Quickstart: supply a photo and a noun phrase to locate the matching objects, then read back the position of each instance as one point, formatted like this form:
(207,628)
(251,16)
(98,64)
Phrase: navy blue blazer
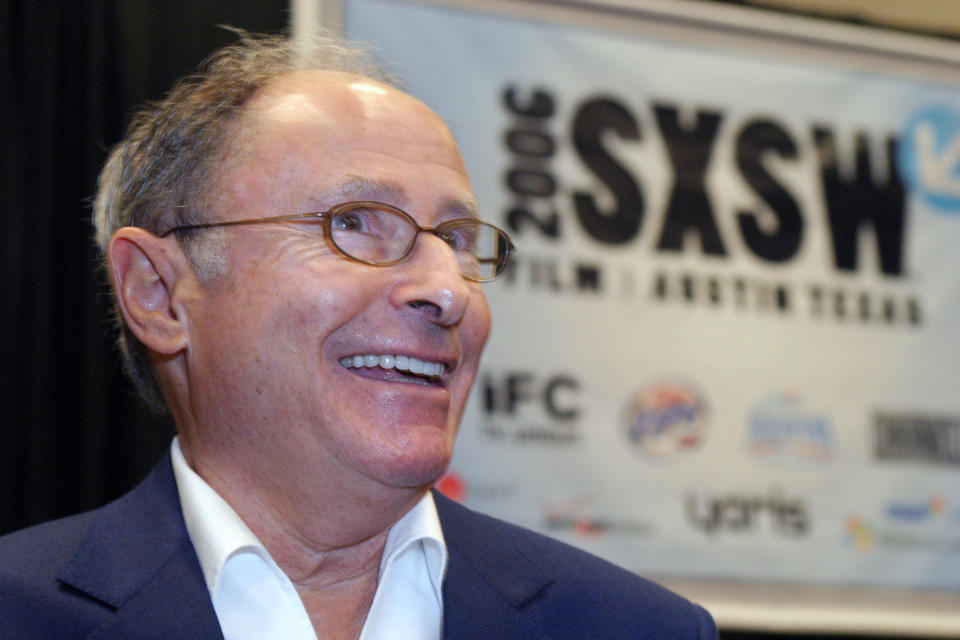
(128,570)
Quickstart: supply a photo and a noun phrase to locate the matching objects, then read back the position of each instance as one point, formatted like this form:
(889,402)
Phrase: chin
(419,470)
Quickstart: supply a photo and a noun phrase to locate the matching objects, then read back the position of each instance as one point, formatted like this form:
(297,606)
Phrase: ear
(147,272)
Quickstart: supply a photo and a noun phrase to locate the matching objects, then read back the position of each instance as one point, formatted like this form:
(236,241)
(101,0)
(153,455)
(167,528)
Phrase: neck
(328,540)
(316,521)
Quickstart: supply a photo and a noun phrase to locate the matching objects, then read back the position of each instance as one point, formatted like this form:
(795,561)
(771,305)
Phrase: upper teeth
(403,363)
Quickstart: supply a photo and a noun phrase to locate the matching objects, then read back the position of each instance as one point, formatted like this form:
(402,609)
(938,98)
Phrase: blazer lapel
(488,585)
(138,559)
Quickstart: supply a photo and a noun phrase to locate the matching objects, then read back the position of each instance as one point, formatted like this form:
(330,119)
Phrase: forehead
(318,130)
(344,109)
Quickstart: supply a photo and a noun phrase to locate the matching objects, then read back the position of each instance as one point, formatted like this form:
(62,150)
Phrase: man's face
(271,336)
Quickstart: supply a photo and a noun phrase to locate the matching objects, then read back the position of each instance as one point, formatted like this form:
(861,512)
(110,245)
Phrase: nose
(430,282)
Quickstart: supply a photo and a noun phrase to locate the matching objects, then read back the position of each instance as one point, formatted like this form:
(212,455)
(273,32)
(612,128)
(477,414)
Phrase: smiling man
(297,263)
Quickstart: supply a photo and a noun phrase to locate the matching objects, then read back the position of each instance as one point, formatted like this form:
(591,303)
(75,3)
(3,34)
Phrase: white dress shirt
(255,600)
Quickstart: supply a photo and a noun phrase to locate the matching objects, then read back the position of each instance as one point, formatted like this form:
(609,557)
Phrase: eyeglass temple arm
(232,223)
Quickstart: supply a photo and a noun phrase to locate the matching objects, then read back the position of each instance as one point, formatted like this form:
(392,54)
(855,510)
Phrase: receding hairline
(247,127)
(296,81)
(314,75)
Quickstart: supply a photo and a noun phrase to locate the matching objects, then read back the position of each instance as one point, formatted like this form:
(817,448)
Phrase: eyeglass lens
(382,235)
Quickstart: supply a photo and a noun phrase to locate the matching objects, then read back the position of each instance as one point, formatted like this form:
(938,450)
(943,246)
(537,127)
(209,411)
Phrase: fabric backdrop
(72,433)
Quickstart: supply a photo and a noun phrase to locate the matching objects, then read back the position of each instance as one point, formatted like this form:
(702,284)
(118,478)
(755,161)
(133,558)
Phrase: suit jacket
(128,570)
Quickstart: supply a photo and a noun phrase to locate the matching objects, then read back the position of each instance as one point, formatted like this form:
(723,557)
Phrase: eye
(356,220)
(462,237)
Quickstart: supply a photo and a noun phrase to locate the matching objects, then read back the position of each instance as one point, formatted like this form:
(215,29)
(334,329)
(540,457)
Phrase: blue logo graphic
(929,157)
(782,428)
(917,510)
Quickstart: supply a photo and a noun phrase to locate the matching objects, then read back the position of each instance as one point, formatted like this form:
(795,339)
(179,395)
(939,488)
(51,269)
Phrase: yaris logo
(745,514)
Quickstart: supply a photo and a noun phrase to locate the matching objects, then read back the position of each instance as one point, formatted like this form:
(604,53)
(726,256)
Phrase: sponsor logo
(456,487)
(914,437)
(568,174)
(589,527)
(859,534)
(530,408)
(452,485)
(667,418)
(925,524)
(929,157)
(736,513)
(781,428)
(570,516)
(864,536)
(917,511)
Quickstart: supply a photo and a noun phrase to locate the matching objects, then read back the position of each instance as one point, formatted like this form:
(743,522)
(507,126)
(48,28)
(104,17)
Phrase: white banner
(729,345)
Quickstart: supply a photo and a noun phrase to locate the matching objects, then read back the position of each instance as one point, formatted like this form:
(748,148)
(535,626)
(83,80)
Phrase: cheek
(477,327)
(297,288)
(301,318)
(308,319)
(268,330)
(474,331)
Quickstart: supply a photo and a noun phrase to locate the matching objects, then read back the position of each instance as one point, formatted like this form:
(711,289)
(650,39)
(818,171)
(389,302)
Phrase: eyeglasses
(380,234)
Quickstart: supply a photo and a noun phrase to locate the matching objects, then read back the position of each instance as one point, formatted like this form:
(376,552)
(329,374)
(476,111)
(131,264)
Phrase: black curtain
(72,433)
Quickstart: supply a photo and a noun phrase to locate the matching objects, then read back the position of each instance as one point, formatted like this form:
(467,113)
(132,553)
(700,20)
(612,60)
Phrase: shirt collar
(217,532)
(215,529)
(419,525)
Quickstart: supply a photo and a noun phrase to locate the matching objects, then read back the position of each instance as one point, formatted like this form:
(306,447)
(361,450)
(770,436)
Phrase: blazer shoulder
(39,551)
(597,598)
(34,604)
(66,578)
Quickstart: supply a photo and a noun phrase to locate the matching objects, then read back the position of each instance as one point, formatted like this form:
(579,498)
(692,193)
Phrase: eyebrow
(357,187)
(360,188)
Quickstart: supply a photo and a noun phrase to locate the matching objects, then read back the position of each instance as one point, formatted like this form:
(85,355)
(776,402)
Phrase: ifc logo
(666,418)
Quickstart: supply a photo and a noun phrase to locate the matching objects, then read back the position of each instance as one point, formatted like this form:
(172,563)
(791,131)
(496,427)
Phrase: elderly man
(296,259)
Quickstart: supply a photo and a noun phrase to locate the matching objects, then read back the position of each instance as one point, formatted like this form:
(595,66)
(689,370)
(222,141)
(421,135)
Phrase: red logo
(451,484)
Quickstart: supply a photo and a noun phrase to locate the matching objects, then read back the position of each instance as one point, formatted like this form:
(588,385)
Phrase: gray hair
(159,176)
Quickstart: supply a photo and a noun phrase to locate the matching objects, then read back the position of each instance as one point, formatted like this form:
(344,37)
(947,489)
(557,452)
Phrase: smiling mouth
(392,368)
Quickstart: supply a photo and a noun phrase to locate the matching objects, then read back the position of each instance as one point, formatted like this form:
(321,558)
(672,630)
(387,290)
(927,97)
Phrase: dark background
(73,435)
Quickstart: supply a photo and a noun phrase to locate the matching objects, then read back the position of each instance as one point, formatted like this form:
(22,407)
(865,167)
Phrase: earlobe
(145,273)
